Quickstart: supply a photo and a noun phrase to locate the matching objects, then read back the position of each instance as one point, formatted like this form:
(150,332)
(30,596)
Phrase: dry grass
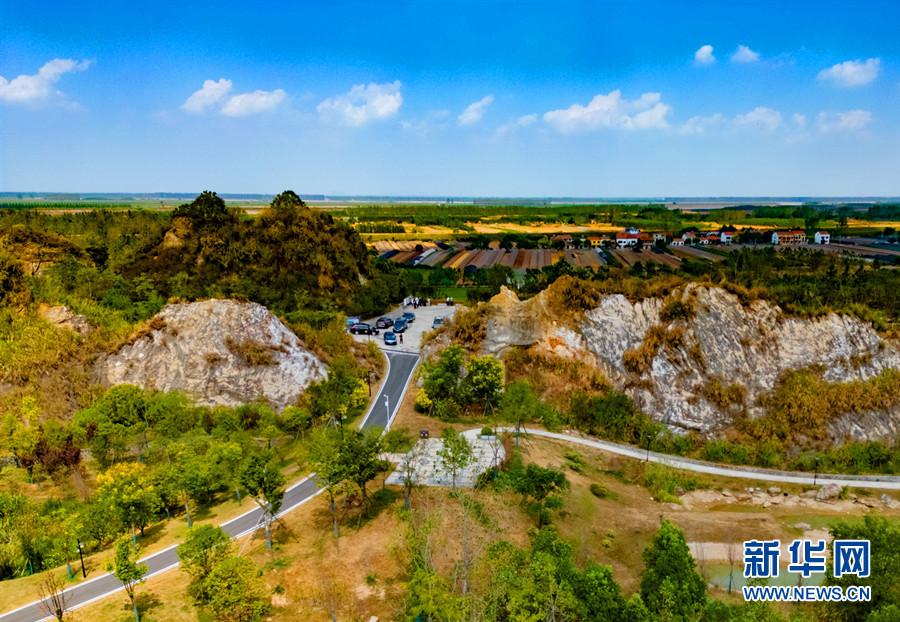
(552,378)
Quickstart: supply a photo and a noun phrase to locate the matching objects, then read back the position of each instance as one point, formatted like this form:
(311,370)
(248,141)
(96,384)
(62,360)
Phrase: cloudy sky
(645,99)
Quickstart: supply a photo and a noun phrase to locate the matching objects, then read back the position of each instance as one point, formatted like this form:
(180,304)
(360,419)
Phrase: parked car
(409,317)
(399,325)
(363,329)
(384,322)
(390,339)
(437,321)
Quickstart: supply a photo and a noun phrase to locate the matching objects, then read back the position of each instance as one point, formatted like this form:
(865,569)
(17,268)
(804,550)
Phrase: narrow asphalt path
(381,412)
(889,482)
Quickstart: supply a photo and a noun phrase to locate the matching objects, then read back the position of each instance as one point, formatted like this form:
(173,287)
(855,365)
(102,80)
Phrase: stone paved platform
(427,463)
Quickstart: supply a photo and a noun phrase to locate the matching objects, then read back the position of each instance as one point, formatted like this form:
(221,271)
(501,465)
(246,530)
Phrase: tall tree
(129,491)
(325,461)
(670,584)
(129,572)
(265,482)
(359,460)
(203,548)
(455,454)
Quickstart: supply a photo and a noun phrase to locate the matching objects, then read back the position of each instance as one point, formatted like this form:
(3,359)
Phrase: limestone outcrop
(666,362)
(219,352)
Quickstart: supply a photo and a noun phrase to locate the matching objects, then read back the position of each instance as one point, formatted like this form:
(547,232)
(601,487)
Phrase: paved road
(400,370)
(889,482)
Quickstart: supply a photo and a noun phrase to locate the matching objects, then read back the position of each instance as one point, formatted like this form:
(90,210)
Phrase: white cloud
(364,103)
(704,56)
(852,72)
(211,93)
(611,110)
(39,86)
(743,54)
(251,103)
(850,121)
(218,95)
(475,111)
(523,121)
(701,124)
(761,117)
(799,120)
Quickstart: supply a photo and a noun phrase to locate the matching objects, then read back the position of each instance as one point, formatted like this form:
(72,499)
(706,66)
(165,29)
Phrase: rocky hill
(217,351)
(678,357)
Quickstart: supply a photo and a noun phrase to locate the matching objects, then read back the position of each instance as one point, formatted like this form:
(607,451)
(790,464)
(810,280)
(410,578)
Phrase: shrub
(423,403)
(675,309)
(600,491)
(250,352)
(638,360)
(486,431)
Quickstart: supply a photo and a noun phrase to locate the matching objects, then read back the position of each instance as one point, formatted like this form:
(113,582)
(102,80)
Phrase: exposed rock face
(723,341)
(63,317)
(218,352)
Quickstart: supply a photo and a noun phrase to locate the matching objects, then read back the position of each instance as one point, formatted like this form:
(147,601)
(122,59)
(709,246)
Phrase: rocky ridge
(719,340)
(219,352)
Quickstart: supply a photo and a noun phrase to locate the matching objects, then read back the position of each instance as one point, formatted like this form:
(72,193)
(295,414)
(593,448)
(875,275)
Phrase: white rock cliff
(197,348)
(724,340)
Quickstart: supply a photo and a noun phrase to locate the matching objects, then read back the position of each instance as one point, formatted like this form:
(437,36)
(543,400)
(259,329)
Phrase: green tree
(229,457)
(236,591)
(883,578)
(455,453)
(359,461)
(539,483)
(128,489)
(203,548)
(325,461)
(128,571)
(265,482)
(442,377)
(484,380)
(670,585)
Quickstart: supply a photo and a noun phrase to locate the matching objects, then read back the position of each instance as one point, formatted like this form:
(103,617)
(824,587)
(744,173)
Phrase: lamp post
(81,556)
(647,459)
(816,476)
(369,381)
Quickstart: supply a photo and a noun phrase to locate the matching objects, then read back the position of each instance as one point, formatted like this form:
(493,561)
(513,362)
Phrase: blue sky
(646,99)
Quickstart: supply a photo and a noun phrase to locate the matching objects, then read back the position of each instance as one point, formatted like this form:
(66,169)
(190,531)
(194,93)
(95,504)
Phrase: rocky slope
(719,341)
(218,352)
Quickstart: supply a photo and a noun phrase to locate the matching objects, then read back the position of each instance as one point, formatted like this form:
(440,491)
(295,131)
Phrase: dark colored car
(384,322)
(363,329)
(437,321)
(399,325)
(390,339)
(409,317)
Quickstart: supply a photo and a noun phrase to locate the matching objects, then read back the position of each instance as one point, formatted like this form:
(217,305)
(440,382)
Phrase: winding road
(399,373)
(381,413)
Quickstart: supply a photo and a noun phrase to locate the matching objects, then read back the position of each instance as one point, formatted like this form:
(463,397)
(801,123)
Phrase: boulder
(63,317)
(774,491)
(828,492)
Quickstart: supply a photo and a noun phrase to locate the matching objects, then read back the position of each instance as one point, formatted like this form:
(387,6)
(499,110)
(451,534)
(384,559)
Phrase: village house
(678,242)
(823,237)
(725,237)
(657,237)
(595,242)
(624,239)
(782,238)
(565,239)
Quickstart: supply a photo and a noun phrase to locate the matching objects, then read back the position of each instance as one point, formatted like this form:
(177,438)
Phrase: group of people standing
(415,302)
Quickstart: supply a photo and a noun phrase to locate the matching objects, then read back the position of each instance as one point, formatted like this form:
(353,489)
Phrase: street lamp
(81,556)
(816,476)
(647,459)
